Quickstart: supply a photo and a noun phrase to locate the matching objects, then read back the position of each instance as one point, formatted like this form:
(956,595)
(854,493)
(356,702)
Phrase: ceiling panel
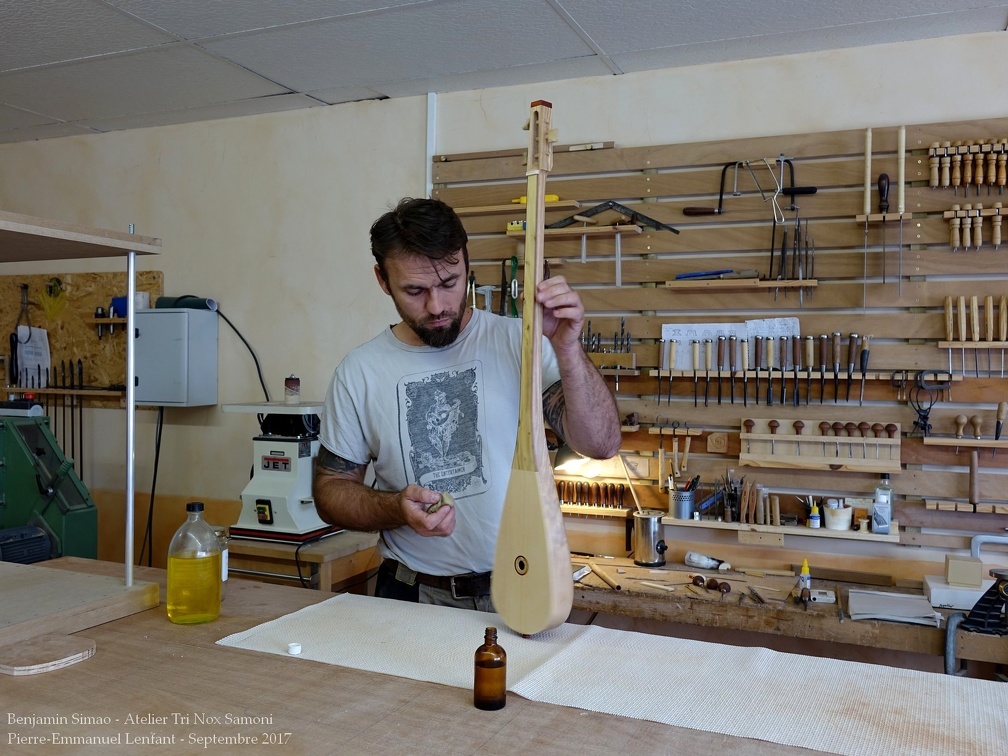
(77,66)
(164,78)
(434,39)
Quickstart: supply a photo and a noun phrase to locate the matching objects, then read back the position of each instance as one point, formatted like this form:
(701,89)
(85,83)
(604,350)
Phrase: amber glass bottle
(490,675)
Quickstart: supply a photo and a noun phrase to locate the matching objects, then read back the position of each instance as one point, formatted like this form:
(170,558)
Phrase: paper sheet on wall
(32,357)
(685,333)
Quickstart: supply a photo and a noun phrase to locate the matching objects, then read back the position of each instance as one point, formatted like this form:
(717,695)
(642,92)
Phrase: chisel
(989,327)
(836,367)
(672,355)
(961,318)
(720,360)
(759,362)
(768,345)
(1002,412)
(1002,328)
(851,355)
(975,331)
(732,351)
(708,356)
(809,363)
(865,345)
(883,191)
(696,366)
(823,359)
(796,363)
(783,351)
(745,372)
(949,334)
(663,364)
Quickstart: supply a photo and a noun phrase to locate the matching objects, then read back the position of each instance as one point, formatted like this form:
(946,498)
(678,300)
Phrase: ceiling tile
(165,78)
(421,41)
(49,31)
(198,19)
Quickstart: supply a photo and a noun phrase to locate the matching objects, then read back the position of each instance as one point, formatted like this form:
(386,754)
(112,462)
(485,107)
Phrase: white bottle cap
(293,649)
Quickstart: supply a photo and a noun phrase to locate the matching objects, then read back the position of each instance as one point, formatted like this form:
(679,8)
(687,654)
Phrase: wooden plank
(38,600)
(44,653)
(24,237)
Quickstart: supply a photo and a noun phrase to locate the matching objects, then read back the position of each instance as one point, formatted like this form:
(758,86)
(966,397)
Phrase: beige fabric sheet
(822,704)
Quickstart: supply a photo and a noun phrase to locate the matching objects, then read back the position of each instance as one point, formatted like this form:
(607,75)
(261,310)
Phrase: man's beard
(436,337)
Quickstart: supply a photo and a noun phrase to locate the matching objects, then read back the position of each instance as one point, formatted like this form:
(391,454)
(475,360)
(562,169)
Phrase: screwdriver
(732,351)
(865,344)
(720,360)
(836,367)
(809,362)
(759,362)
(823,358)
(851,351)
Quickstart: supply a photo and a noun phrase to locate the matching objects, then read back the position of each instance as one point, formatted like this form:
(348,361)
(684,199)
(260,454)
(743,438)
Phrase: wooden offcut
(37,600)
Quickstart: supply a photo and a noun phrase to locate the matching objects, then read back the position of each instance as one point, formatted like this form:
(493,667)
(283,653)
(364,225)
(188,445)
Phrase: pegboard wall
(856,268)
(64,304)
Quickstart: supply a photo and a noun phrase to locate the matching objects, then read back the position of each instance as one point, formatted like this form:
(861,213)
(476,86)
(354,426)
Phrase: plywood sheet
(37,600)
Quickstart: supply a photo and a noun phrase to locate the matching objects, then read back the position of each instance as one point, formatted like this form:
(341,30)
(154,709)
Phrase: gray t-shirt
(446,419)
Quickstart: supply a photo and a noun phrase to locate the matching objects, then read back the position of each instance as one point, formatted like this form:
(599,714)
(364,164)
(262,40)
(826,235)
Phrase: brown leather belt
(467,585)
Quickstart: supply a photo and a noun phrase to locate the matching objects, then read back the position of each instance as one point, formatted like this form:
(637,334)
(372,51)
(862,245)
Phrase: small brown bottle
(490,674)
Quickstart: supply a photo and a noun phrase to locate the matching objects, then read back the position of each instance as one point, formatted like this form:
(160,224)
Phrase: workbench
(785,619)
(154,672)
(338,562)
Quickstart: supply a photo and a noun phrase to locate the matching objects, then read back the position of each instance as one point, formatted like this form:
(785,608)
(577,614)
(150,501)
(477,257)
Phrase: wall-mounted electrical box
(176,357)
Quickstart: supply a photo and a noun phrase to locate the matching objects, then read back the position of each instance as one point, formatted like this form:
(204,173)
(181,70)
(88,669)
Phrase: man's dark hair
(426,227)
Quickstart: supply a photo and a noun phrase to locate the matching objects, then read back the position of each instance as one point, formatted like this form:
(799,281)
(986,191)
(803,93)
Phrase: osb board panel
(67,320)
(37,600)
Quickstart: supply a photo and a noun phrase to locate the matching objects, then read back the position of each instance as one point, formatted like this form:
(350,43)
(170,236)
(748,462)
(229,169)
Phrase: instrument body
(532,586)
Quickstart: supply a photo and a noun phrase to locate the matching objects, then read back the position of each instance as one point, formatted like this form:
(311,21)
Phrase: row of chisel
(591,494)
(781,366)
(68,379)
(963,329)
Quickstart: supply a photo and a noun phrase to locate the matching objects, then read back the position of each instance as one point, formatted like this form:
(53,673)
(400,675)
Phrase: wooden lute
(532,585)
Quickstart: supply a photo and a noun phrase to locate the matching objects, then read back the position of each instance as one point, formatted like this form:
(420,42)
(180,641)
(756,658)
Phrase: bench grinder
(277,503)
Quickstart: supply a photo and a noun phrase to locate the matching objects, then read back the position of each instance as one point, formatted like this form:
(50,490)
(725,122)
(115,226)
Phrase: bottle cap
(804,567)
(194,506)
(885,476)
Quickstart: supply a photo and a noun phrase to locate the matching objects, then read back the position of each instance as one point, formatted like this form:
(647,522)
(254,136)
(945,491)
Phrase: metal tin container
(649,547)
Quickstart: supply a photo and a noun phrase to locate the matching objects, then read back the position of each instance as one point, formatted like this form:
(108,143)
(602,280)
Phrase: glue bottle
(814,519)
(194,570)
(490,674)
(805,578)
(882,508)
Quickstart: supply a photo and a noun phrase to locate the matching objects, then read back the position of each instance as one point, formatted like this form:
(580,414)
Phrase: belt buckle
(453,594)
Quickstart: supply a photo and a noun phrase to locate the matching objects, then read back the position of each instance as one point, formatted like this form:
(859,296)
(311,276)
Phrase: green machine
(41,497)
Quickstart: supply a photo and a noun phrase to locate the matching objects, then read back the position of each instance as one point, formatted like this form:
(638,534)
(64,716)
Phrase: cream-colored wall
(269,214)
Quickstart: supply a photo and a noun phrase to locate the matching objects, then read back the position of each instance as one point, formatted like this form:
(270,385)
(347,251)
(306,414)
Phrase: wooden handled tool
(975,330)
(809,364)
(961,316)
(745,372)
(531,588)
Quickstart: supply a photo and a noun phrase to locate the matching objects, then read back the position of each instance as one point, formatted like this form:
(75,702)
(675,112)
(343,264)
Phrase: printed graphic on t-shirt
(441,424)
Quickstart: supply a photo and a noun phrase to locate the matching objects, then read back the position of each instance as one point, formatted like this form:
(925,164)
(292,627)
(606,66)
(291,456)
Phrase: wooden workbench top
(147,668)
(641,597)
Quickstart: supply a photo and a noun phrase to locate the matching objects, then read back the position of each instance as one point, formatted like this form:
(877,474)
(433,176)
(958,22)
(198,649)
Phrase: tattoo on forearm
(336,464)
(554,406)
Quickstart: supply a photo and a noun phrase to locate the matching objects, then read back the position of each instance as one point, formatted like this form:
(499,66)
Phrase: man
(432,403)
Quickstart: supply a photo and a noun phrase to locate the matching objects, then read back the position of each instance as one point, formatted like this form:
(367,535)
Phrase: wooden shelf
(105,321)
(883,218)
(24,238)
(966,443)
(739,284)
(515,208)
(836,453)
(111,393)
(572,232)
(953,505)
(789,530)
(619,513)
